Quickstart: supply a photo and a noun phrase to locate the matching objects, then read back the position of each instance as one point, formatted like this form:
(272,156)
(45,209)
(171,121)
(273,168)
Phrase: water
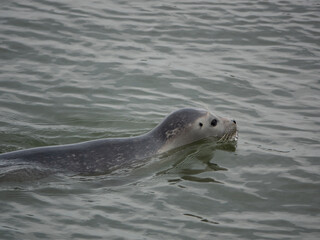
(82,70)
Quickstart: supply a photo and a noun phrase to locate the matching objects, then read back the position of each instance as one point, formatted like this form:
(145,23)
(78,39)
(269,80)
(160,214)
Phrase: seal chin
(235,136)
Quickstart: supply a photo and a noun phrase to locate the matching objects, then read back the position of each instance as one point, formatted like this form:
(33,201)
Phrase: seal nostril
(234,121)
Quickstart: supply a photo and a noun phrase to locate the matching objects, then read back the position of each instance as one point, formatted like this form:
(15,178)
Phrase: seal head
(189,125)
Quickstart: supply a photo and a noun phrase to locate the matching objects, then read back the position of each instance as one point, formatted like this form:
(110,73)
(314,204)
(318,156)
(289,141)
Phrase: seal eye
(200,124)
(214,122)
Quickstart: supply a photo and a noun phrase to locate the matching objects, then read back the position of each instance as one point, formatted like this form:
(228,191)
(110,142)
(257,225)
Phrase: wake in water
(22,171)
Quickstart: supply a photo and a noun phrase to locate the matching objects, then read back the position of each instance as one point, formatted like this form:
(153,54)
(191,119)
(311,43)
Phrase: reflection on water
(193,159)
(77,71)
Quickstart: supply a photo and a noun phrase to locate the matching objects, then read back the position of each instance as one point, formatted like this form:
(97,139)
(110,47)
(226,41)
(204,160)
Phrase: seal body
(100,156)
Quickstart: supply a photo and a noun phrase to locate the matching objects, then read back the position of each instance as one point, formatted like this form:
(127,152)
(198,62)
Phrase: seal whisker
(223,138)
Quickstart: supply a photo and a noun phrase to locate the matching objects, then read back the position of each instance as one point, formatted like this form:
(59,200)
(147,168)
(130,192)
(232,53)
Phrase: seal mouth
(230,136)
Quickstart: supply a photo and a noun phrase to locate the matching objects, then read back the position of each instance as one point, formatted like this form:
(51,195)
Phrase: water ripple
(76,71)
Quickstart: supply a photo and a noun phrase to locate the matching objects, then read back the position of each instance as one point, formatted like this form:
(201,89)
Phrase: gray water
(72,71)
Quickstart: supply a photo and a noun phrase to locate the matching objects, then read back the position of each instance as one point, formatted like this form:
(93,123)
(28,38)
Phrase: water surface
(79,70)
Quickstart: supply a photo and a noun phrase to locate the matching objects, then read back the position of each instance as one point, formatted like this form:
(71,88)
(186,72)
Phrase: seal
(179,128)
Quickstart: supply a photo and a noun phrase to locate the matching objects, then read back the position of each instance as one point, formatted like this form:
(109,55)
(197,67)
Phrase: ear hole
(200,124)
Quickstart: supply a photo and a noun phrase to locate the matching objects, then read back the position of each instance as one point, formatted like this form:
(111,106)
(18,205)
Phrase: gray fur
(105,155)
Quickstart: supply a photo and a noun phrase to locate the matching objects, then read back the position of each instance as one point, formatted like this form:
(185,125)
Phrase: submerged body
(92,157)
(100,156)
